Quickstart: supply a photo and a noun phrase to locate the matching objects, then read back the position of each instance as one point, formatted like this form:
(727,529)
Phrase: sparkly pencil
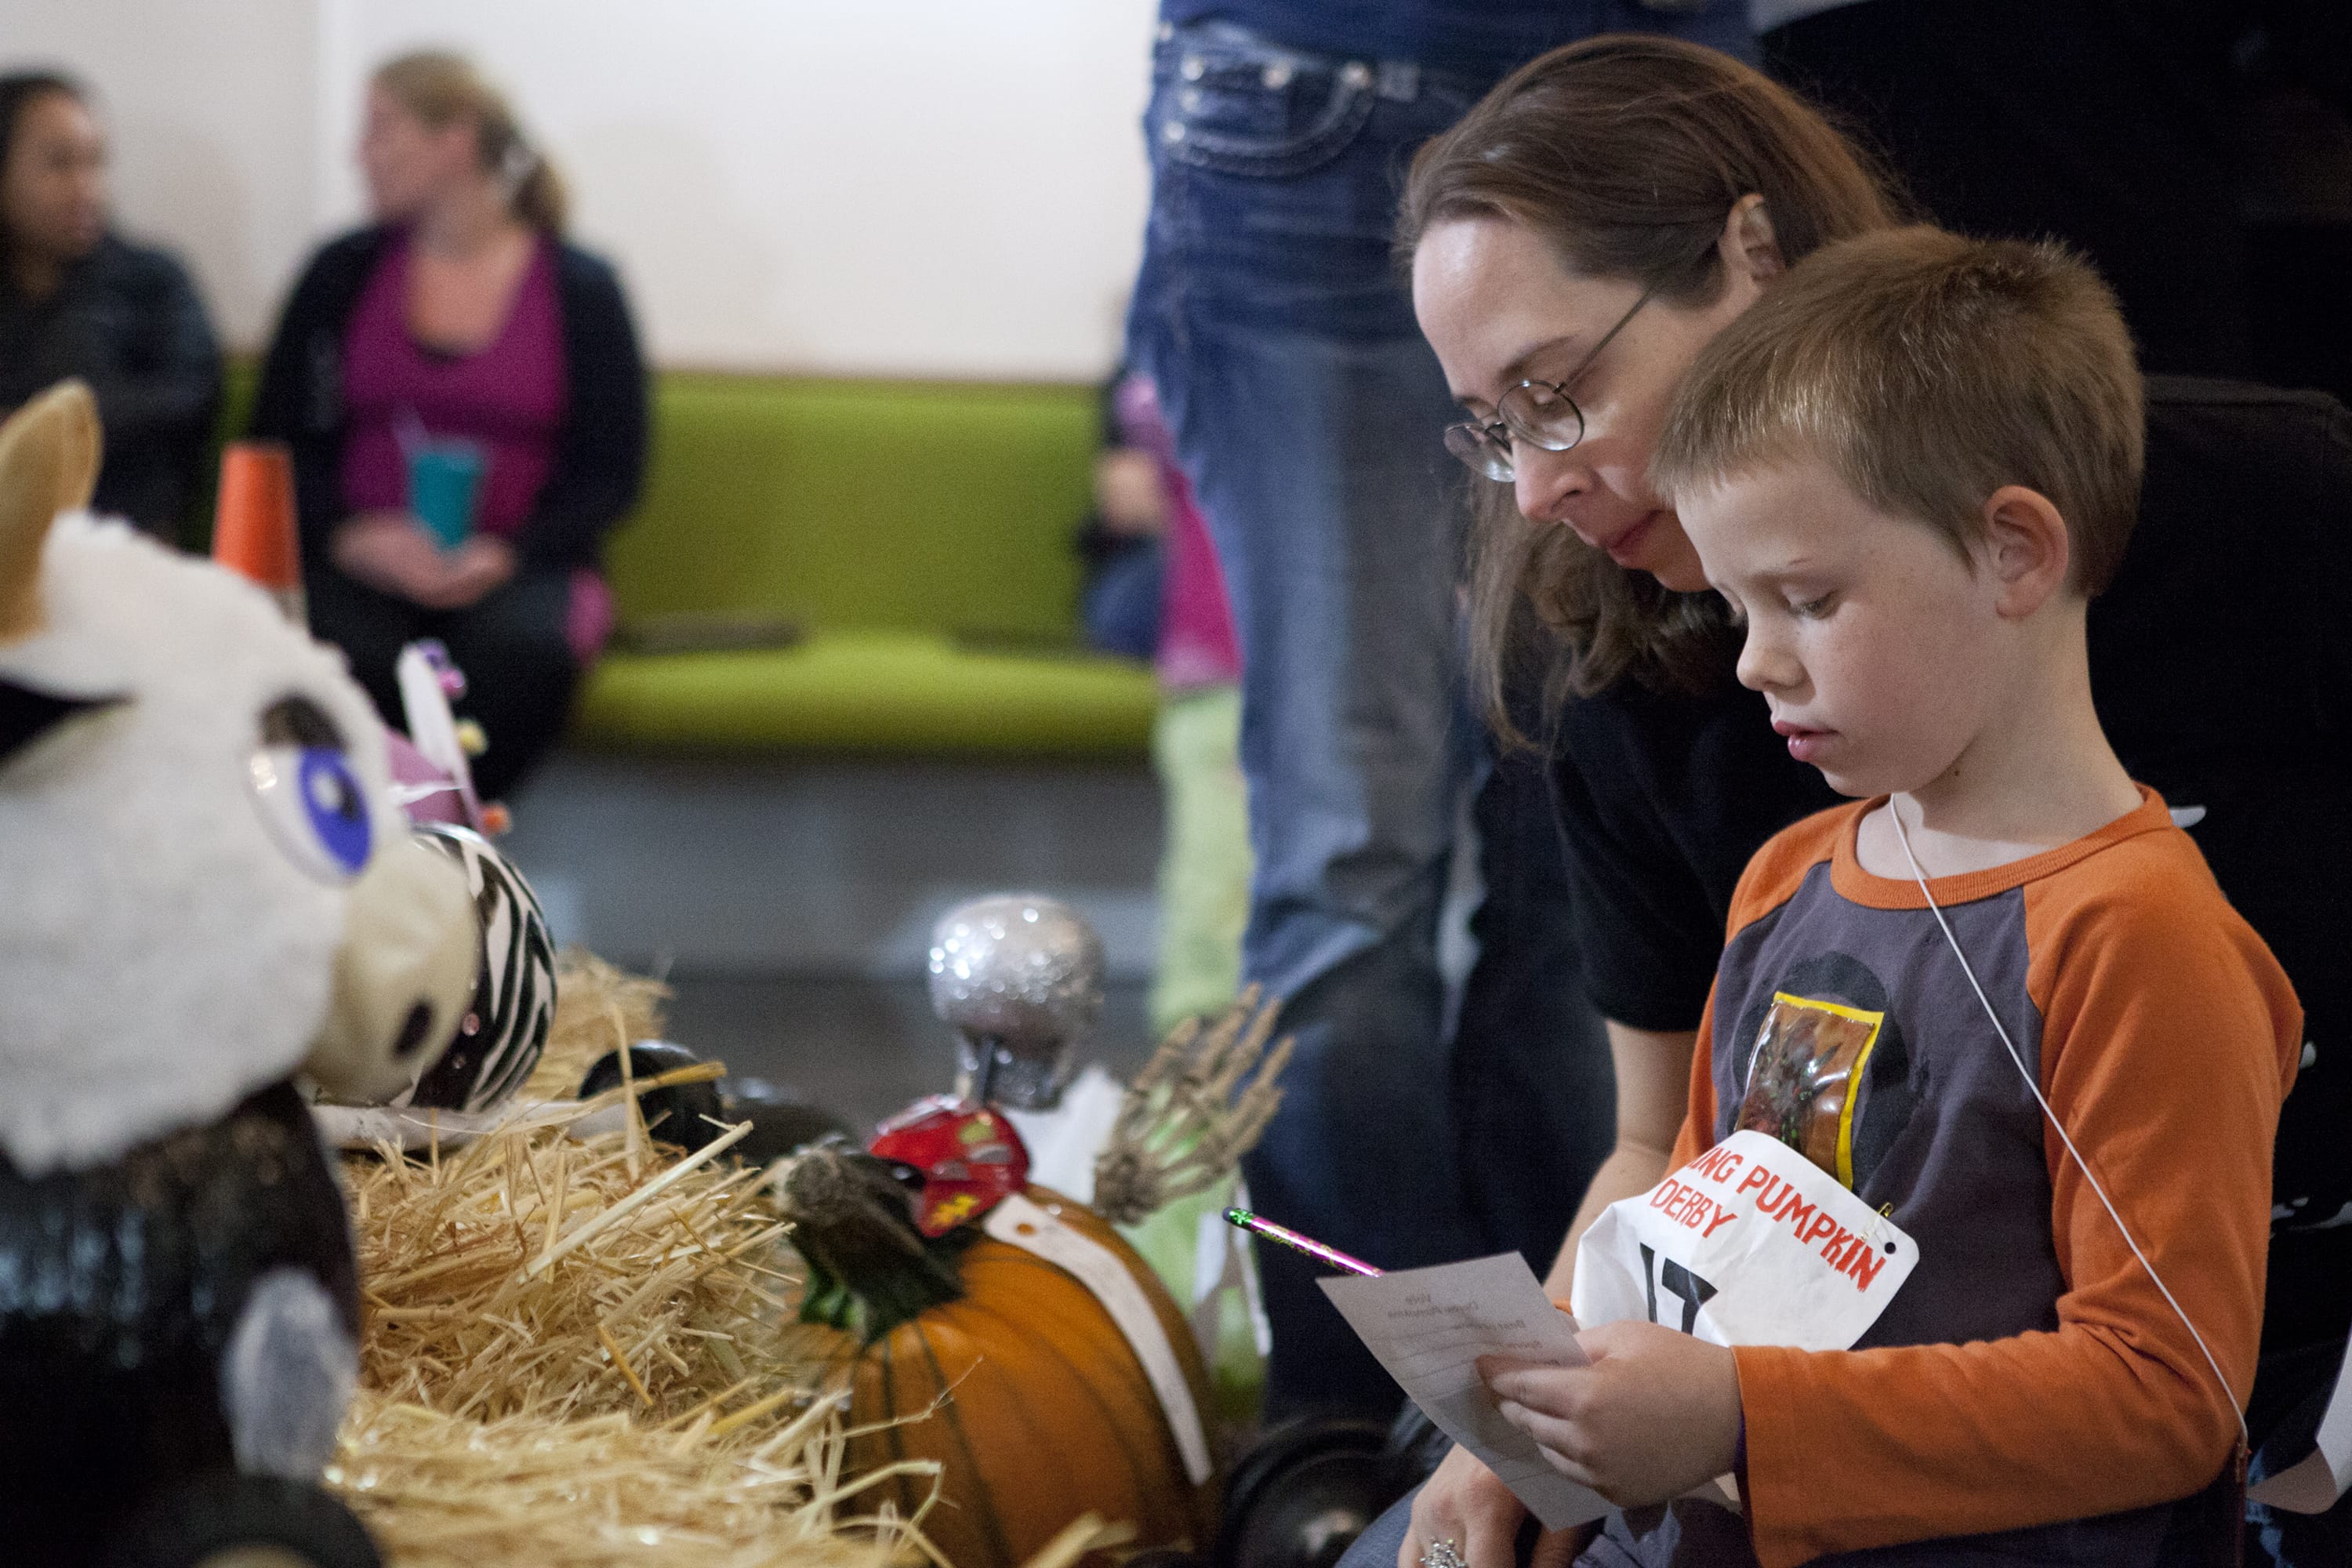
(1297,1243)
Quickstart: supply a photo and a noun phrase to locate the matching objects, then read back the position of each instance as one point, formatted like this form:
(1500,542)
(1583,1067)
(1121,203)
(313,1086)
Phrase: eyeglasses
(1539,413)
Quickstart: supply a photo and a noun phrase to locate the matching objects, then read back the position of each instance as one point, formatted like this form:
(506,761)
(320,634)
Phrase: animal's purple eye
(309,795)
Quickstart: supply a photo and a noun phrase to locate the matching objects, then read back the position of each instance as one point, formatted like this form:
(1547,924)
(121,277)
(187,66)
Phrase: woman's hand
(1655,1415)
(1462,1502)
(475,567)
(391,552)
(1128,493)
(388,550)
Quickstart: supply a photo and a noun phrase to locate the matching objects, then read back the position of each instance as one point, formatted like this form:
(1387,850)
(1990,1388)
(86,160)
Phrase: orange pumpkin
(1001,1367)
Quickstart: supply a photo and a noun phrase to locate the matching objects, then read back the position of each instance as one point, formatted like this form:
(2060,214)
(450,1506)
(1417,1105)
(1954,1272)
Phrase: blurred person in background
(1304,402)
(1205,868)
(77,299)
(1123,545)
(460,320)
(1154,592)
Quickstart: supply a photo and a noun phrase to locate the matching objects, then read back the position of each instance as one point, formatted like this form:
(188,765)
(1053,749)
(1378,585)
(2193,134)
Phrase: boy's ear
(2026,542)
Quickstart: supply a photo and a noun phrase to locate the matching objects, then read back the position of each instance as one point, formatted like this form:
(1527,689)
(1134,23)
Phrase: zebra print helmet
(498,1040)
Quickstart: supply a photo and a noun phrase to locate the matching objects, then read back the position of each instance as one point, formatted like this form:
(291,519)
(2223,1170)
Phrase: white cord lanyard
(2034,1082)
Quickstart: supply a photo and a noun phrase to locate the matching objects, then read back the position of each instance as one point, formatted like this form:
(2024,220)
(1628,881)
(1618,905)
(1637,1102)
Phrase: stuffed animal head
(208,888)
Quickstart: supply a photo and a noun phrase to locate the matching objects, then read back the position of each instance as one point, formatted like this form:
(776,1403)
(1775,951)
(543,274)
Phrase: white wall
(894,187)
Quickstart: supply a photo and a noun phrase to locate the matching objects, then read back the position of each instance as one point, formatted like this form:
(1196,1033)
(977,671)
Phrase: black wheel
(781,1121)
(687,1114)
(1414,1448)
(1160,1557)
(244,1521)
(1303,1492)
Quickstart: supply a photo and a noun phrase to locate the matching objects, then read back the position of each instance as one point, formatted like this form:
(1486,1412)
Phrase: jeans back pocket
(1226,101)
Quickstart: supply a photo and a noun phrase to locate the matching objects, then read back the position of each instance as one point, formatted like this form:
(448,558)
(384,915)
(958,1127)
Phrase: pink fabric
(1197,644)
(411,766)
(588,619)
(508,397)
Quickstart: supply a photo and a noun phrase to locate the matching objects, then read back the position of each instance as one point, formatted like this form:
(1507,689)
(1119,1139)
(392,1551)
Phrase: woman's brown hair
(1626,154)
(441,88)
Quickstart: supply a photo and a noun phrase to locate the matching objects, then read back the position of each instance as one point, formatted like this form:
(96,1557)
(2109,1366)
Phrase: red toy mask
(968,1157)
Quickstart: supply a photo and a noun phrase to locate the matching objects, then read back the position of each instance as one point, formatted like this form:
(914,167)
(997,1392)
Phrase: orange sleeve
(2169,1038)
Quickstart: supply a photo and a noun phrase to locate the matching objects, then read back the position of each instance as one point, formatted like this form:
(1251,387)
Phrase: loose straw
(613,1347)
(643,1195)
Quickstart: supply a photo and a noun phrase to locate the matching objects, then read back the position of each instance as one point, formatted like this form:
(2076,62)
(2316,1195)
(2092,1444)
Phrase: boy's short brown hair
(1929,370)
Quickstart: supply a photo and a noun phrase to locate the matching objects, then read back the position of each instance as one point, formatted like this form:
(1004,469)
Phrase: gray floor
(789,903)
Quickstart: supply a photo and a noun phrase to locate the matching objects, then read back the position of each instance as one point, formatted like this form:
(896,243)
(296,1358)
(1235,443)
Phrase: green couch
(916,535)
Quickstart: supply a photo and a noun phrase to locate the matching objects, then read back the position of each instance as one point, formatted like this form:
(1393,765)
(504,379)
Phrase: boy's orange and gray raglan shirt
(2029,1379)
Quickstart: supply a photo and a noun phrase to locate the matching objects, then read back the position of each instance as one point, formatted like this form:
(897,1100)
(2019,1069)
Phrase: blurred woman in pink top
(462,325)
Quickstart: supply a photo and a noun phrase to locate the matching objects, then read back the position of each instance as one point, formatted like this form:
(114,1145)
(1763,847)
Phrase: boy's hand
(1656,1413)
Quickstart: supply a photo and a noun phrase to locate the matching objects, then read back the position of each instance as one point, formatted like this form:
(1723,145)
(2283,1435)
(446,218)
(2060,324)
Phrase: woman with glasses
(1575,240)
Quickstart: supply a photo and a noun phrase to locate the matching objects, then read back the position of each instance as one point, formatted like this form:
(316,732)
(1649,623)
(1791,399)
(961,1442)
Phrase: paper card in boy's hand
(1430,1326)
(1750,1244)
(2314,1485)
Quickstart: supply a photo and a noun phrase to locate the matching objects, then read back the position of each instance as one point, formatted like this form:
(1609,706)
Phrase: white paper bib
(1751,1244)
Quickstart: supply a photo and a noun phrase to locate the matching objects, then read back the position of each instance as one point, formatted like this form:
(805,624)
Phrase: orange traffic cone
(253,529)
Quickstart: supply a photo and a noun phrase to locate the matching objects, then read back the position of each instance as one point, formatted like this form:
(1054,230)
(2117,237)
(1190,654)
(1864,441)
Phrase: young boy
(1907,470)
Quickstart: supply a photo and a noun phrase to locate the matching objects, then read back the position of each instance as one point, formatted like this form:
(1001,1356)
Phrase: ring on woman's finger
(1442,1554)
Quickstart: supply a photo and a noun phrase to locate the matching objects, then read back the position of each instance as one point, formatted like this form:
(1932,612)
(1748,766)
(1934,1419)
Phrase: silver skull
(1020,978)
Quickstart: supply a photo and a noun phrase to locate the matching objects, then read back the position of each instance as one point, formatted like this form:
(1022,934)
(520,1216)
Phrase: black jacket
(127,321)
(600,450)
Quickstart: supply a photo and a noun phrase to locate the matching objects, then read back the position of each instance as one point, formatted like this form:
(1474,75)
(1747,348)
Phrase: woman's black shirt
(126,319)
(2221,665)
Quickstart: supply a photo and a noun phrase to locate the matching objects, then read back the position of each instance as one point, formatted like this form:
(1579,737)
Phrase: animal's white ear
(49,464)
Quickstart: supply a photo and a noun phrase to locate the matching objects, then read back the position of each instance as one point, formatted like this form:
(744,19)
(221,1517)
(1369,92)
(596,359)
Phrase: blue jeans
(1689,1533)
(1119,605)
(1306,410)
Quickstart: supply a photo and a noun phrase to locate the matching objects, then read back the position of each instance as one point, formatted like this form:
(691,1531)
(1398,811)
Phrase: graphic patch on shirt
(1820,1061)
(1805,1077)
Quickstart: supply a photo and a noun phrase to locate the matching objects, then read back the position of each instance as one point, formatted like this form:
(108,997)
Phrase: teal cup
(445,486)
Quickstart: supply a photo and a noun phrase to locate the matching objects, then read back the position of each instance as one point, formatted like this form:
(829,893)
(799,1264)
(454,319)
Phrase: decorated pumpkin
(971,1349)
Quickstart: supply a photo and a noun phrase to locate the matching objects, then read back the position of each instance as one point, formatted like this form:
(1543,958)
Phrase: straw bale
(596,1006)
(444,1491)
(580,1350)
